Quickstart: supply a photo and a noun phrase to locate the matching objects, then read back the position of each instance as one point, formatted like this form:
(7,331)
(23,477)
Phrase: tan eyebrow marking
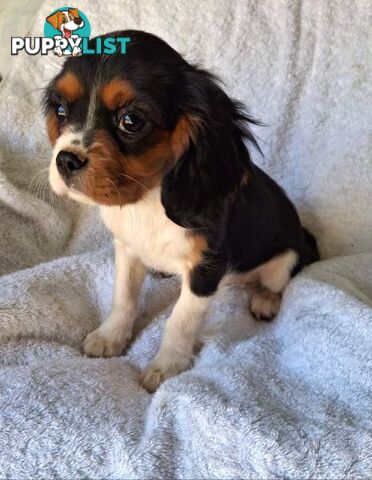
(70,87)
(116,93)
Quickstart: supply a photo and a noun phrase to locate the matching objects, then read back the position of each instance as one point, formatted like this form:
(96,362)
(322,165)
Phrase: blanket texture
(290,399)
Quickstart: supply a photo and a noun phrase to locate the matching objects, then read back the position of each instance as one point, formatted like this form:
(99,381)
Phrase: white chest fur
(145,229)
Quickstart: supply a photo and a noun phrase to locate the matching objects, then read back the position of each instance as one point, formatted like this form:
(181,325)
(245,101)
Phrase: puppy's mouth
(67,189)
(67,32)
(71,176)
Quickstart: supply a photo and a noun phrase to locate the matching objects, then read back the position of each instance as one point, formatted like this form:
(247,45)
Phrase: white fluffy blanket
(291,399)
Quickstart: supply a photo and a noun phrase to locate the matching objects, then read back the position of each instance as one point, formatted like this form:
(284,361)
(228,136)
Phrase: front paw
(161,369)
(101,343)
(264,305)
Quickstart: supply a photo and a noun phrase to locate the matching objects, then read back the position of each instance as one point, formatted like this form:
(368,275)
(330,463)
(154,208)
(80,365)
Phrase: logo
(66,32)
(67,26)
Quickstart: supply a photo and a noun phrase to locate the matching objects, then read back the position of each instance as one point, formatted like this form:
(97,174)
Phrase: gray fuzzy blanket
(291,399)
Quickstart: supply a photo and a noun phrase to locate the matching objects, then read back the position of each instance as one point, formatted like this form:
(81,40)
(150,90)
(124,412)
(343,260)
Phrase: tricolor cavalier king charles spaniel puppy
(161,148)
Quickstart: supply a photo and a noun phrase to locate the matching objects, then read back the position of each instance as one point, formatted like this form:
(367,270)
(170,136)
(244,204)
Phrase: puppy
(161,148)
(66,22)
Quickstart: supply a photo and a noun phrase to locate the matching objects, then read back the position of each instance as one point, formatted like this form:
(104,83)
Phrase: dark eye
(131,123)
(61,113)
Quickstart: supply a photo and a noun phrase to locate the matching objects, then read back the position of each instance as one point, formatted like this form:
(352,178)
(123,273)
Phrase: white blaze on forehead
(68,141)
(92,108)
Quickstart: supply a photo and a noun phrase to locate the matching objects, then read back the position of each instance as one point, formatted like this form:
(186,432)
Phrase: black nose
(68,163)
(78,21)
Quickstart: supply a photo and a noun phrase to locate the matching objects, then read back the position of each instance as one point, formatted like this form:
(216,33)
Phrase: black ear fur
(195,192)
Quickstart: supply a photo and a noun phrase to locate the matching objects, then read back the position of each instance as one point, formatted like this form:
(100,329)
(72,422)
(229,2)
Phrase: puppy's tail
(311,253)
(308,251)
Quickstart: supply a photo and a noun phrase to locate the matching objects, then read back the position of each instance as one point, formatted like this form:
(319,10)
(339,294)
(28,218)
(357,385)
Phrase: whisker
(35,181)
(39,187)
(135,181)
(116,188)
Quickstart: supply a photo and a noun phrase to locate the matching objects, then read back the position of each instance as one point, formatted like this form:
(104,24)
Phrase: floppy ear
(74,11)
(55,20)
(197,190)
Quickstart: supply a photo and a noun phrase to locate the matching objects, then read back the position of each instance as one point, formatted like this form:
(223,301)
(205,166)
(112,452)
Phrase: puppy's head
(66,21)
(122,125)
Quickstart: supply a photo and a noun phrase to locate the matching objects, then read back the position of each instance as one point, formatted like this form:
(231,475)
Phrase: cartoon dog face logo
(66,21)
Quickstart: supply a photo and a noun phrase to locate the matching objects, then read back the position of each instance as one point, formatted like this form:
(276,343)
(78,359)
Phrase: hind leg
(264,305)
(272,278)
